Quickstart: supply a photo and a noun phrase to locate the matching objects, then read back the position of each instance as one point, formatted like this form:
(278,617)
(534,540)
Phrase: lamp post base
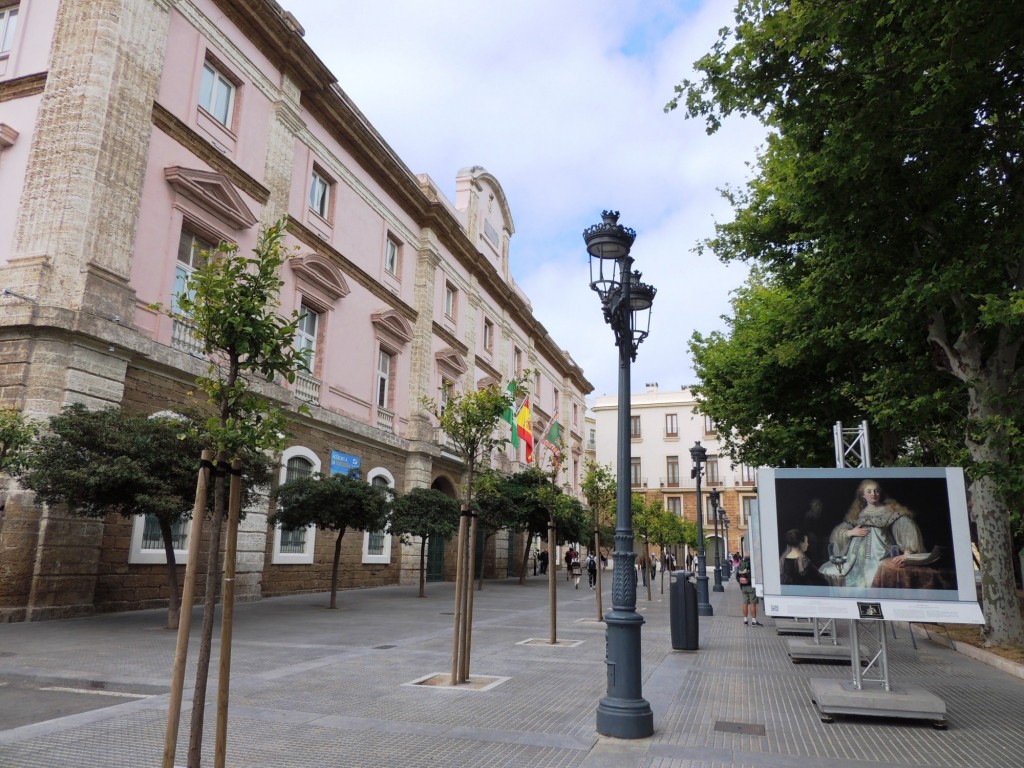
(703,606)
(625,718)
(718,588)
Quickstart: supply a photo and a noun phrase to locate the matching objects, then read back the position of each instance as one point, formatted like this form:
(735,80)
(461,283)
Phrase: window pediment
(487,381)
(391,323)
(450,361)
(320,275)
(212,191)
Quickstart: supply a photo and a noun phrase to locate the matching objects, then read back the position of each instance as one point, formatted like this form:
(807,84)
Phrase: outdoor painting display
(834,541)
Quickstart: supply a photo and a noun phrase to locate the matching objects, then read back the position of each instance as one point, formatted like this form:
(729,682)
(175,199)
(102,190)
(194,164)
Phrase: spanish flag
(524,429)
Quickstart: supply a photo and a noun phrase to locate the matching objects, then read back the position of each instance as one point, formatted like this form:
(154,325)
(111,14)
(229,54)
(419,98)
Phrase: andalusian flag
(510,416)
(554,435)
(525,430)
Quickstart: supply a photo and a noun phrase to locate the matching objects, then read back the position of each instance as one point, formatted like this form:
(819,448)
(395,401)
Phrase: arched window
(295,547)
(377,544)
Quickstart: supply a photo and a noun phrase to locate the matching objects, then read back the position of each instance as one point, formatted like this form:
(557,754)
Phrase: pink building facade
(136,133)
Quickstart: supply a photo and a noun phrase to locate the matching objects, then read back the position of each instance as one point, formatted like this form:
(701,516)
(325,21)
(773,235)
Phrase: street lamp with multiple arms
(699,454)
(626,303)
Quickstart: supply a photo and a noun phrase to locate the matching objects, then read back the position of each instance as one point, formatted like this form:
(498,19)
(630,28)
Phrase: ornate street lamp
(713,498)
(626,303)
(699,455)
(727,561)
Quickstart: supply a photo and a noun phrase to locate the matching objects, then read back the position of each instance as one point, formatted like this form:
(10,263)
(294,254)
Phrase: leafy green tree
(334,503)
(98,462)
(427,513)
(231,302)
(469,419)
(889,192)
(16,436)
(108,461)
(598,487)
(495,511)
(667,531)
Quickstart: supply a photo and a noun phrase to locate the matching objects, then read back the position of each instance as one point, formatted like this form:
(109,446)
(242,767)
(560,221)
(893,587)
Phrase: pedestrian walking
(592,570)
(745,578)
(543,559)
(576,571)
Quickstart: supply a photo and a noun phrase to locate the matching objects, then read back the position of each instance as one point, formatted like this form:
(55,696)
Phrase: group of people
(574,569)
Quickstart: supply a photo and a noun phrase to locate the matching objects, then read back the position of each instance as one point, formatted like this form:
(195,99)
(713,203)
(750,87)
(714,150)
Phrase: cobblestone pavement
(313,687)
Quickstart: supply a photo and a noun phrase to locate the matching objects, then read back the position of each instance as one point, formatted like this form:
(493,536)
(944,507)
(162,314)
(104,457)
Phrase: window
(147,544)
(555,399)
(488,336)
(383,390)
(672,471)
(536,387)
(674,505)
(320,195)
(391,250)
(671,425)
(710,428)
(711,472)
(446,394)
(217,95)
(377,544)
(634,472)
(634,426)
(749,509)
(295,547)
(517,361)
(8,26)
(575,415)
(748,475)
(305,335)
(450,300)
(192,254)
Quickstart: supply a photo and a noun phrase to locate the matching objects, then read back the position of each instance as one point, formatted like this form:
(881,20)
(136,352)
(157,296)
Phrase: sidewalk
(313,687)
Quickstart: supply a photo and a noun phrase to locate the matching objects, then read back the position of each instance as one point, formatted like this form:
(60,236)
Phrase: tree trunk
(995,538)
(423,567)
(526,558)
(647,565)
(195,742)
(334,570)
(552,595)
(173,612)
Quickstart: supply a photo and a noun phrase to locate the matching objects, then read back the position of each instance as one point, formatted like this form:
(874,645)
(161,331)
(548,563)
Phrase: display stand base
(805,649)
(839,697)
(795,627)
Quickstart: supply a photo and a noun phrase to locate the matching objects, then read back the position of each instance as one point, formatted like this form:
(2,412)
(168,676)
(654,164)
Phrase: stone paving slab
(314,687)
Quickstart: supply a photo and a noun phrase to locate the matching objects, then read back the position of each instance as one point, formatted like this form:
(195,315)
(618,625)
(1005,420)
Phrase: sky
(562,101)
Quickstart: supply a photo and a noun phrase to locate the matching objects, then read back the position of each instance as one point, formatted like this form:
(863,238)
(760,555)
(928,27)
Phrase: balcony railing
(183,337)
(307,387)
(385,419)
(670,482)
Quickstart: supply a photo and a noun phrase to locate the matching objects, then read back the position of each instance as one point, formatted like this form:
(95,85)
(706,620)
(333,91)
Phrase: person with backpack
(592,570)
(745,578)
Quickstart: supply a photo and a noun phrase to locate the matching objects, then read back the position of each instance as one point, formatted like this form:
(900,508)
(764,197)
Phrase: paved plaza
(314,687)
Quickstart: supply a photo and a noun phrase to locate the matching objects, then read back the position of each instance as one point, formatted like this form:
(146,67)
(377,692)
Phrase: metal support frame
(870,674)
(828,627)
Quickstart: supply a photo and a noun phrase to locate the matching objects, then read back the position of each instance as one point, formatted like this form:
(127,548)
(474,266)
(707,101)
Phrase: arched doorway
(435,549)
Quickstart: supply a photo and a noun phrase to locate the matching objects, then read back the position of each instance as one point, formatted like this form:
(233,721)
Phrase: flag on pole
(510,416)
(525,429)
(554,434)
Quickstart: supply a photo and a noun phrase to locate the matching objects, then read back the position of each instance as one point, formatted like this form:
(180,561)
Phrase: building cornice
(22,87)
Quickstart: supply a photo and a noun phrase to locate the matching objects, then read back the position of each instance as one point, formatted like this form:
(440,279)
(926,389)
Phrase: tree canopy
(334,503)
(888,196)
(427,513)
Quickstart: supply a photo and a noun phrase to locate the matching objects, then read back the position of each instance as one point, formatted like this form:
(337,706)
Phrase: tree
(469,419)
(108,461)
(427,513)
(334,503)
(16,436)
(645,522)
(495,511)
(669,530)
(889,191)
(599,489)
(98,462)
(231,303)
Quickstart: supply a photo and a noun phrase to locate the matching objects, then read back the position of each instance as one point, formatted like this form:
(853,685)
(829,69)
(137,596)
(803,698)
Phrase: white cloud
(562,102)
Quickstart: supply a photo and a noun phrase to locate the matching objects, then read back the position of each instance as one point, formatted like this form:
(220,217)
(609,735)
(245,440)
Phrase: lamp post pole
(727,561)
(623,713)
(713,498)
(699,454)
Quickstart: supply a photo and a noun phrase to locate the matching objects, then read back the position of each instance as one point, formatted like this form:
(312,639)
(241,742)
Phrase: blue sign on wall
(343,463)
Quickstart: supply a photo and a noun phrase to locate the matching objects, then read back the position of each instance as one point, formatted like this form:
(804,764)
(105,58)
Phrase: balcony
(307,387)
(183,337)
(386,419)
(638,483)
(670,482)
